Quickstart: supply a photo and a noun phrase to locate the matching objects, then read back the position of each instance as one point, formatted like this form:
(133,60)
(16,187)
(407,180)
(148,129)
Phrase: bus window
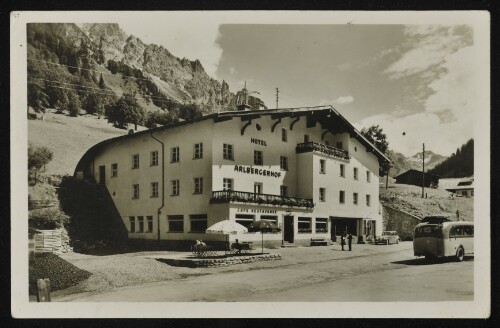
(469,231)
(428,231)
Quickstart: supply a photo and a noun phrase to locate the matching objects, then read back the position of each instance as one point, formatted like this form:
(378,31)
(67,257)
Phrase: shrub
(61,273)
(47,219)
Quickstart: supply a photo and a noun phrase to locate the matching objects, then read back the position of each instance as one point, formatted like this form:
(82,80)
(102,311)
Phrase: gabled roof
(329,118)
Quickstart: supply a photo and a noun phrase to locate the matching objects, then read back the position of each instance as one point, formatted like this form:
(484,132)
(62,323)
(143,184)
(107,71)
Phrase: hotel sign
(257,171)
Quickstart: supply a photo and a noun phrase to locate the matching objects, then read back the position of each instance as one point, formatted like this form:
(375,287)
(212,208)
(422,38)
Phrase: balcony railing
(227,196)
(322,148)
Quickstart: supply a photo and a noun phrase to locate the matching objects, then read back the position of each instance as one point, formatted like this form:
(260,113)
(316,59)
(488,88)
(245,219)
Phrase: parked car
(388,237)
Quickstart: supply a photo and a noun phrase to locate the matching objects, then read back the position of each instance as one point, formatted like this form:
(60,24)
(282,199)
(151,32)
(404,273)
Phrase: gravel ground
(138,268)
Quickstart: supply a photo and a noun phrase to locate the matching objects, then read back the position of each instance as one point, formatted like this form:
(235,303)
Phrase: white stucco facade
(192,190)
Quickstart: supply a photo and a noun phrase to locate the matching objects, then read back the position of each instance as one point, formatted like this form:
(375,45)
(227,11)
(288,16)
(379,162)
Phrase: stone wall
(402,222)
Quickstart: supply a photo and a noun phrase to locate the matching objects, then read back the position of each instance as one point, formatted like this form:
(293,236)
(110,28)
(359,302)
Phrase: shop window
(198,185)
(198,150)
(135,161)
(227,184)
(284,191)
(114,170)
(304,225)
(284,163)
(132,223)
(342,197)
(244,219)
(154,189)
(284,135)
(175,187)
(322,166)
(270,218)
(198,222)
(227,152)
(355,198)
(140,221)
(135,191)
(174,155)
(149,223)
(175,223)
(321,225)
(154,158)
(322,194)
(258,158)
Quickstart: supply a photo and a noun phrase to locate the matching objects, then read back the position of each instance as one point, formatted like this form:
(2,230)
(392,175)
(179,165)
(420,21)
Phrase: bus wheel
(460,254)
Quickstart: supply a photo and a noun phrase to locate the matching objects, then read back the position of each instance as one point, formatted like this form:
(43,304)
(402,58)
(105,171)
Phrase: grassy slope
(408,198)
(69,138)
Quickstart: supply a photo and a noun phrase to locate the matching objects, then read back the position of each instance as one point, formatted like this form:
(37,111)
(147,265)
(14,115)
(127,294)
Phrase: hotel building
(306,169)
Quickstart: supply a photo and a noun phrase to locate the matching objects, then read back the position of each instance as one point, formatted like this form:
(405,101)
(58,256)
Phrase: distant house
(463,188)
(414,177)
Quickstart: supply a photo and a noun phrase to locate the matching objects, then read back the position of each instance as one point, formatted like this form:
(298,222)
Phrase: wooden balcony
(228,196)
(322,148)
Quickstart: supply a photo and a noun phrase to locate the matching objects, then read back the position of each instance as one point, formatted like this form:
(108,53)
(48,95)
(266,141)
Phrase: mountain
(74,57)
(431,160)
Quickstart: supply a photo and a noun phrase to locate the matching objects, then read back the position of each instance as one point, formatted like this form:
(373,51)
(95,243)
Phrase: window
(140,220)
(175,223)
(327,142)
(175,187)
(284,136)
(321,225)
(322,193)
(150,224)
(270,218)
(227,184)
(174,155)
(306,138)
(198,185)
(244,219)
(198,150)
(135,191)
(154,158)
(284,191)
(342,170)
(355,173)
(227,152)
(257,188)
(258,157)
(355,198)
(304,225)
(284,163)
(338,145)
(198,222)
(154,189)
(342,197)
(114,170)
(135,161)
(132,223)
(368,200)
(322,166)
(368,176)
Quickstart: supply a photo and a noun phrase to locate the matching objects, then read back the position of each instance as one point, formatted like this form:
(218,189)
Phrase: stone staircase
(288,245)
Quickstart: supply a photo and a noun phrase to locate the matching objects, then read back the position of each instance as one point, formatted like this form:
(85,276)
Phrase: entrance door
(102,174)
(288,228)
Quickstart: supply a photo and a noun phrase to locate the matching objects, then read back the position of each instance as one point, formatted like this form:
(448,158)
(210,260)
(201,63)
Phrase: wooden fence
(46,241)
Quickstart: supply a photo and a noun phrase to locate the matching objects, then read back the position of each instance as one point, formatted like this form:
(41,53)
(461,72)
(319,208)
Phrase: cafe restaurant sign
(257,171)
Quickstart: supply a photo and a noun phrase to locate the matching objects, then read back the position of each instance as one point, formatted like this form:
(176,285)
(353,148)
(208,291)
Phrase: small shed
(414,177)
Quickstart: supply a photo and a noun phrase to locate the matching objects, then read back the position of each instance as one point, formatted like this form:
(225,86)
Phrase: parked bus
(439,239)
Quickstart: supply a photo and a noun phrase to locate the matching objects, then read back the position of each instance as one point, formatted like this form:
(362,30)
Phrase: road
(368,274)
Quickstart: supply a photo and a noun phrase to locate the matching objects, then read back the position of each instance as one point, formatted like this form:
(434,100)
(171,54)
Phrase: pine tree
(102,85)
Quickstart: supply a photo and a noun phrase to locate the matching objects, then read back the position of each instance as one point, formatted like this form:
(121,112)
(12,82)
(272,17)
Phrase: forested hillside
(459,164)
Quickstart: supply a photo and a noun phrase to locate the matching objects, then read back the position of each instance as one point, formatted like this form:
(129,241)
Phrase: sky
(419,80)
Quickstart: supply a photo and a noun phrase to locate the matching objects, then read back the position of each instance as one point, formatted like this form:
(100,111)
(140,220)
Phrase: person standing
(342,240)
(349,241)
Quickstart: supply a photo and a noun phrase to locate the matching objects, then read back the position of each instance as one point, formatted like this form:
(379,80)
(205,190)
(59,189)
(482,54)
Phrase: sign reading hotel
(252,170)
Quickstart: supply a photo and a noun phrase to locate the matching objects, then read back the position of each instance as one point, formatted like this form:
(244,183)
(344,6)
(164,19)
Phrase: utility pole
(277,97)
(423,169)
